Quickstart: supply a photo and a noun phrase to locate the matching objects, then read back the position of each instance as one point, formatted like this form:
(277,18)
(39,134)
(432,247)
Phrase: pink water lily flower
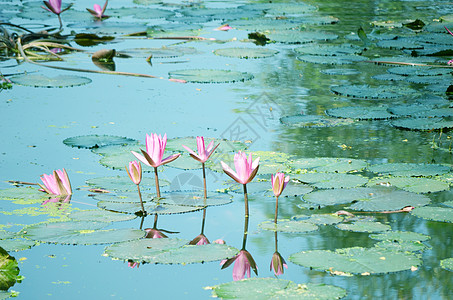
(98,12)
(243,262)
(133,264)
(201,239)
(245,169)
(203,153)
(277,264)
(155,147)
(224,27)
(135,172)
(153,233)
(279,182)
(56,183)
(54,6)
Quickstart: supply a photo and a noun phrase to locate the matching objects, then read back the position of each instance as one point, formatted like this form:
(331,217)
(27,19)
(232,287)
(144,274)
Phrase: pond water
(279,113)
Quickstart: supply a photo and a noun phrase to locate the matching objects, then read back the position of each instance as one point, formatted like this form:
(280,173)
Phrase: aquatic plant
(54,6)
(56,183)
(98,12)
(135,174)
(277,263)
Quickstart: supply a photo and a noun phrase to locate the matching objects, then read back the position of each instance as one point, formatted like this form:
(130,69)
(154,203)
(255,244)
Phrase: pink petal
(141,158)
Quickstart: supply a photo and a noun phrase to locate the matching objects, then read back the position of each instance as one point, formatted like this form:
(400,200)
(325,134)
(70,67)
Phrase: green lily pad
(274,288)
(440,214)
(125,197)
(82,233)
(331,180)
(368,92)
(263,24)
(6,235)
(447,264)
(246,52)
(299,37)
(423,124)
(389,77)
(409,169)
(402,246)
(295,189)
(288,226)
(420,110)
(220,13)
(319,219)
(9,270)
(419,71)
(400,44)
(329,164)
(364,226)
(360,112)
(280,9)
(169,251)
(124,183)
(328,50)
(210,76)
(96,141)
(15,245)
(448,203)
(59,81)
(400,236)
(150,207)
(120,160)
(357,260)
(23,195)
(175,144)
(331,60)
(107,150)
(412,184)
(195,198)
(314,121)
(98,215)
(368,199)
(340,71)
(185,162)
(140,13)
(173,30)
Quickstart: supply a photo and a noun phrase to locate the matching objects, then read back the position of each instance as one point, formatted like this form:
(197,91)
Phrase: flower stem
(204,183)
(276,210)
(61,23)
(141,201)
(276,248)
(155,222)
(141,223)
(246,201)
(246,228)
(156,177)
(203,222)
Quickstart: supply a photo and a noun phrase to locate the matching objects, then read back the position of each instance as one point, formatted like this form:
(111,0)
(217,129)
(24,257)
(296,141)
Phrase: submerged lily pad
(357,260)
(329,164)
(314,121)
(274,288)
(37,80)
(331,180)
(9,270)
(360,112)
(246,52)
(210,76)
(412,184)
(368,199)
(95,141)
(169,251)
(368,92)
(99,215)
(288,226)
(150,207)
(447,264)
(440,214)
(364,226)
(83,232)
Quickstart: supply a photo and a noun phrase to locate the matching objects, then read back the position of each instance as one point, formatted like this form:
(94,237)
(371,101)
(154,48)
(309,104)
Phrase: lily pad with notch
(59,81)
(368,198)
(275,288)
(357,260)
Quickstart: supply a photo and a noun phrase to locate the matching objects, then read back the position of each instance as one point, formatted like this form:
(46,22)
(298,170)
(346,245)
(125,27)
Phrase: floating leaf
(418,71)
(329,164)
(14,245)
(6,235)
(299,37)
(96,141)
(120,160)
(150,207)
(23,195)
(332,60)
(340,71)
(331,180)
(367,92)
(169,251)
(263,24)
(195,198)
(37,80)
(403,246)
(246,52)
(357,260)
(328,50)
(9,270)
(288,226)
(124,183)
(447,264)
(364,226)
(412,184)
(83,232)
(274,288)
(276,8)
(400,44)
(401,236)
(368,199)
(191,142)
(210,76)
(360,112)
(423,124)
(99,215)
(314,121)
(440,214)
(125,197)
(409,169)
(173,30)
(140,13)
(319,219)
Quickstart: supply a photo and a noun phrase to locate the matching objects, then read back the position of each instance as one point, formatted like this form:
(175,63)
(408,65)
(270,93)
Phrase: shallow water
(35,121)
